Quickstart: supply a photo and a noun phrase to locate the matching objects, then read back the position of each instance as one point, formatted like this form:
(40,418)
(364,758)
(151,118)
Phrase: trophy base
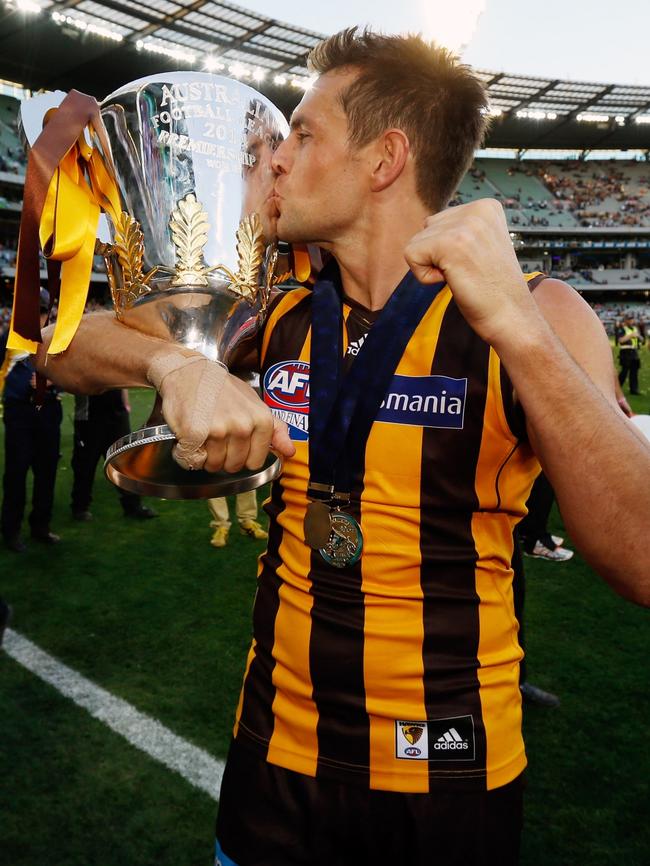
(142,463)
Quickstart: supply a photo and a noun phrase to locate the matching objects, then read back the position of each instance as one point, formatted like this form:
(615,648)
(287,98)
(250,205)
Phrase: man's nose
(279,160)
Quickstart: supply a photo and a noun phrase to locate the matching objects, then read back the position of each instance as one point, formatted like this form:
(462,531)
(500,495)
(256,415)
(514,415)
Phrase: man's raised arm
(597,461)
(560,364)
(219,421)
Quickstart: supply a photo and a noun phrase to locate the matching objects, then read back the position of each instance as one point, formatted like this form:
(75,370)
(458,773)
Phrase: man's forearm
(103,354)
(598,464)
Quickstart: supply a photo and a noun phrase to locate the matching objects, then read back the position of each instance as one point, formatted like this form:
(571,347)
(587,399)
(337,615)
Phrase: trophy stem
(156,417)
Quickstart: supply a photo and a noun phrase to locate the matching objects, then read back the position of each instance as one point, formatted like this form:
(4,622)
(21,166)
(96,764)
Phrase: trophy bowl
(192,256)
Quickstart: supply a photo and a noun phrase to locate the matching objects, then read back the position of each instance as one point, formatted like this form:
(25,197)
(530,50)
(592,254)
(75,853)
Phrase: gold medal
(318,525)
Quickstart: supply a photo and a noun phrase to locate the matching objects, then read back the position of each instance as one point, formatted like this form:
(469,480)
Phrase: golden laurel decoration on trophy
(250,250)
(189,228)
(128,246)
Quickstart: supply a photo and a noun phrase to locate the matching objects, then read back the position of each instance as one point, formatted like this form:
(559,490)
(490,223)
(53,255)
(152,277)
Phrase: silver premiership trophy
(192,257)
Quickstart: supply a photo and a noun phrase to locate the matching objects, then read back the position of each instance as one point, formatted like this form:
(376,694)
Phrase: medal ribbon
(343,408)
(67,183)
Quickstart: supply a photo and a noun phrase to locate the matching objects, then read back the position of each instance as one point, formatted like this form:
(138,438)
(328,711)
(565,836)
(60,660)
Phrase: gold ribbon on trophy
(68,183)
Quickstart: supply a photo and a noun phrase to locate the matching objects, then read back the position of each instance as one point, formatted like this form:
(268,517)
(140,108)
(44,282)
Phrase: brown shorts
(269,816)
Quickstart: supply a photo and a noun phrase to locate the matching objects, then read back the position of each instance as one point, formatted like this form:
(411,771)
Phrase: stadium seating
(12,155)
(563,194)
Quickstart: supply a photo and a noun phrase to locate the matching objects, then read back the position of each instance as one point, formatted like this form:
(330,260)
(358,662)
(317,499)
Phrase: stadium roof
(97,45)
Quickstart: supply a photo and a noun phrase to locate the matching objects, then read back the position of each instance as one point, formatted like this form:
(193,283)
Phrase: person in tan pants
(246,511)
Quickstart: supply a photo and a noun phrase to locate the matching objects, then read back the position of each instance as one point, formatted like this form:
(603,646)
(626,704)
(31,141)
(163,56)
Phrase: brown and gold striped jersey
(400,672)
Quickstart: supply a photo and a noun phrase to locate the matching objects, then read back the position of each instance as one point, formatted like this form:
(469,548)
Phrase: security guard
(628,342)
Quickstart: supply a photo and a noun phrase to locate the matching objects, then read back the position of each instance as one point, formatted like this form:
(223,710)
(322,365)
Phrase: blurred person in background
(5,617)
(8,355)
(530,693)
(629,341)
(537,541)
(246,511)
(99,420)
(32,441)
(245,503)
(5,607)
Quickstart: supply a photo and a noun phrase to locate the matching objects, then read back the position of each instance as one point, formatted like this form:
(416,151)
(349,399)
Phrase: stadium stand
(536,195)
(584,220)
(12,155)
(563,194)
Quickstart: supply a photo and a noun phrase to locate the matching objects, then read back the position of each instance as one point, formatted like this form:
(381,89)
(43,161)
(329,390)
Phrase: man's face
(259,179)
(319,188)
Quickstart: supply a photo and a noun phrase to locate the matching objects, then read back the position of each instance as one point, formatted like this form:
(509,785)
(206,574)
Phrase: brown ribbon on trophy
(67,183)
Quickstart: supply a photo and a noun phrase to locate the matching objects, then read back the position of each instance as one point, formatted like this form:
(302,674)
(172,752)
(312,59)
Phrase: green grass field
(155,615)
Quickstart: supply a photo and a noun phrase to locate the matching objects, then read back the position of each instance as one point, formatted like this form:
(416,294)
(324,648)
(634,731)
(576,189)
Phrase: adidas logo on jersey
(451,739)
(355,346)
(448,739)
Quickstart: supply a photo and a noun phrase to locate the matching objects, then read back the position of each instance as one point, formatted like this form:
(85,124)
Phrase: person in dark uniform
(32,441)
(533,531)
(629,340)
(98,421)
(530,693)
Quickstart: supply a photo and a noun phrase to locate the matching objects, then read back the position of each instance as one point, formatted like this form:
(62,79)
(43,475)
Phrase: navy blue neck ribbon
(343,407)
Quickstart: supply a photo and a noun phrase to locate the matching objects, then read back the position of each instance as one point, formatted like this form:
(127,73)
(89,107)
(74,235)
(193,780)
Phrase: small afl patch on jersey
(411,741)
(286,392)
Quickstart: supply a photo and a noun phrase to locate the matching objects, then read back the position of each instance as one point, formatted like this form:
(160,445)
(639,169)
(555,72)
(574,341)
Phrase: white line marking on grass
(198,767)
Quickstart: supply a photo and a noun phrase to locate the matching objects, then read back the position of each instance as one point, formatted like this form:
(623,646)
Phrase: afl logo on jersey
(286,392)
(287,384)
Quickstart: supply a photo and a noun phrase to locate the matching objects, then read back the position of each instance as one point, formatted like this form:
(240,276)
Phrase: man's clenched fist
(469,247)
(219,421)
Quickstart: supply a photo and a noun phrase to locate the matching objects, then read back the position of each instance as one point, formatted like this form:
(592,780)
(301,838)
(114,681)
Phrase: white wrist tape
(168,361)
(189,452)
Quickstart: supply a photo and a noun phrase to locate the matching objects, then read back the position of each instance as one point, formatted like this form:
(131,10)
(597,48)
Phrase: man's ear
(390,157)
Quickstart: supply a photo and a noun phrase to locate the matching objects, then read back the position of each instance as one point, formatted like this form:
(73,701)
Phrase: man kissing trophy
(181,164)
